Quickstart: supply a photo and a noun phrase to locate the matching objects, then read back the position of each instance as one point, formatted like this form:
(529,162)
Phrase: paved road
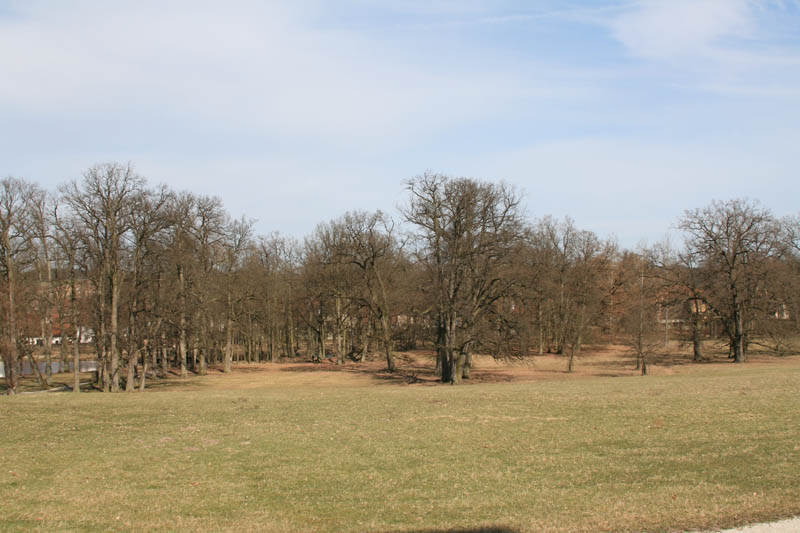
(791,525)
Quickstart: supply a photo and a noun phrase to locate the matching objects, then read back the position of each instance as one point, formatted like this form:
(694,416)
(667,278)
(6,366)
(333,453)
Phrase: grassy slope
(658,453)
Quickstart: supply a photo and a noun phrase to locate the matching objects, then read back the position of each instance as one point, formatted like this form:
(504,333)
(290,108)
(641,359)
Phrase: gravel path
(792,525)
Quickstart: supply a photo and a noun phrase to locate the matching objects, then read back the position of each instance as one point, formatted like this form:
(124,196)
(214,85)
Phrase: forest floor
(417,368)
(524,446)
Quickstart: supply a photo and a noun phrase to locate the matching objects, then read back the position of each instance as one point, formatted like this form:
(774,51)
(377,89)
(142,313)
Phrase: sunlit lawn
(714,448)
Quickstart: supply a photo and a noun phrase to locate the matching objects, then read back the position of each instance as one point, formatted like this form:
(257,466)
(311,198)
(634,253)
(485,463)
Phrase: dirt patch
(417,369)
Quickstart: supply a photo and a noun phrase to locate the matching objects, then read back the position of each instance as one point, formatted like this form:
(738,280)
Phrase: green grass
(666,453)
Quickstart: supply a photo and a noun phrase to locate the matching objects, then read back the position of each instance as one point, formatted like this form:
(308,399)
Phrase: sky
(620,114)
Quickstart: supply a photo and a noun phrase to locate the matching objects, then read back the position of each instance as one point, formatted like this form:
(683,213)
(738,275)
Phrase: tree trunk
(228,345)
(182,320)
(164,356)
(365,343)
(738,330)
(76,346)
(200,357)
(290,345)
(182,358)
(11,360)
(445,361)
(114,330)
(102,356)
(45,303)
(541,330)
(143,377)
(457,367)
(76,361)
(35,367)
(451,372)
(154,362)
(412,332)
(321,342)
(467,364)
(337,332)
(63,366)
(387,344)
(130,379)
(697,341)
(441,352)
(47,336)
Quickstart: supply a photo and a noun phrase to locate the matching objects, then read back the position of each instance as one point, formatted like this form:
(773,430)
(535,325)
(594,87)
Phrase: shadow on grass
(409,375)
(239,368)
(621,364)
(627,362)
(168,384)
(485,529)
(686,359)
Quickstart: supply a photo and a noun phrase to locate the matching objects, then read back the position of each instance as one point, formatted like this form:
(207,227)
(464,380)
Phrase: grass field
(296,448)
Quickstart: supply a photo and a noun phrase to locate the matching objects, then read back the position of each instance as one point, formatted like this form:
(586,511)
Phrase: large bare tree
(101,201)
(16,232)
(67,236)
(733,241)
(149,222)
(465,232)
(366,242)
(235,241)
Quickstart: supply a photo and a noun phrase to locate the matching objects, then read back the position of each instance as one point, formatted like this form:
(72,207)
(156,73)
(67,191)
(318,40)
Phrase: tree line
(161,281)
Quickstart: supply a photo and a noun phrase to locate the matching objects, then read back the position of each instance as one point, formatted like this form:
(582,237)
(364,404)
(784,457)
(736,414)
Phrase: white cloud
(294,114)
(263,66)
(677,29)
(725,47)
(636,188)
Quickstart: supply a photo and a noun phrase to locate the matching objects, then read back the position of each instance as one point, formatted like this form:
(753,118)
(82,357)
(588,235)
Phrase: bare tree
(148,220)
(643,292)
(101,202)
(679,277)
(182,248)
(195,250)
(16,229)
(272,292)
(733,242)
(575,283)
(66,234)
(466,231)
(235,242)
(277,258)
(365,241)
(42,240)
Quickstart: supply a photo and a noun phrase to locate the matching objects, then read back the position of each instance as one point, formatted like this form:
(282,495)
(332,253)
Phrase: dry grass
(416,368)
(608,360)
(314,447)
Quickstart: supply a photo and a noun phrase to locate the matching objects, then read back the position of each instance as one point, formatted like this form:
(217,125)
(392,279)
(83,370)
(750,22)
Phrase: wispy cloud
(721,46)
(261,66)
(295,111)
(527,14)
(636,188)
(677,29)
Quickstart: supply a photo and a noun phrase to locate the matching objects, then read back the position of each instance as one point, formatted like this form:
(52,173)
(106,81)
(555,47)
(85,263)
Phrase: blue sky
(620,114)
